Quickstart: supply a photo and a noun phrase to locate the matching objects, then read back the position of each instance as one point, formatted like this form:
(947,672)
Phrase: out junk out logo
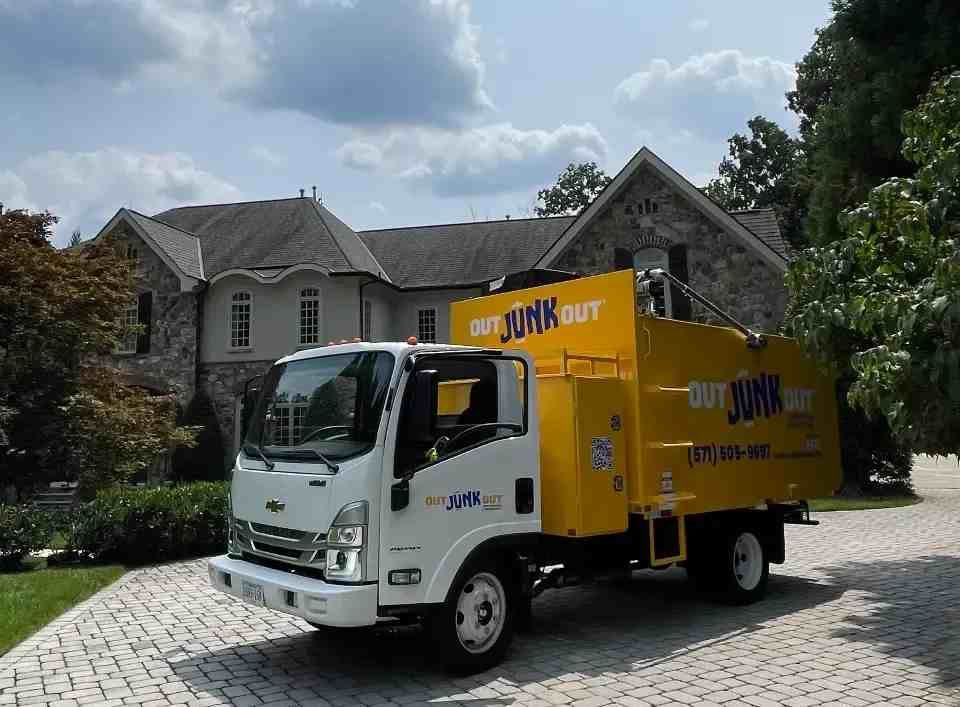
(526,320)
(750,397)
(466,499)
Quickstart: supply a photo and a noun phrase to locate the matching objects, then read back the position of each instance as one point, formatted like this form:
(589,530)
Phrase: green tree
(882,304)
(59,313)
(764,170)
(866,67)
(575,188)
(205,461)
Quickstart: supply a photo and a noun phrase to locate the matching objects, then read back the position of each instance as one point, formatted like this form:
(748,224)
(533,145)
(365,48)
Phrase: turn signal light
(403,577)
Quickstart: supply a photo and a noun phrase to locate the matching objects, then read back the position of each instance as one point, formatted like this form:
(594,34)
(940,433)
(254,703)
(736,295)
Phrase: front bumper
(311,599)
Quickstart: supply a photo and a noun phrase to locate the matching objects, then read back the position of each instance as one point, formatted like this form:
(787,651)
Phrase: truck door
(462,446)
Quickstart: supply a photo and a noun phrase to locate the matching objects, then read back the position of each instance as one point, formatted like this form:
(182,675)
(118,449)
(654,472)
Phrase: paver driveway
(866,611)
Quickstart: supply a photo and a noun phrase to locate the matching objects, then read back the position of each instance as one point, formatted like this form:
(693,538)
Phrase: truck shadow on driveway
(608,627)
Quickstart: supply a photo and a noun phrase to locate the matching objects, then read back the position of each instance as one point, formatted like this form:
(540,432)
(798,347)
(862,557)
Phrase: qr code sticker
(601,453)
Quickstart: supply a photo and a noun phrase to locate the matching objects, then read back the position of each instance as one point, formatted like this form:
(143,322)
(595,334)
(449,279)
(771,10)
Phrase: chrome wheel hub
(480,612)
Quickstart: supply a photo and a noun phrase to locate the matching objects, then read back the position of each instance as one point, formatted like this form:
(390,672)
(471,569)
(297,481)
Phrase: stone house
(226,289)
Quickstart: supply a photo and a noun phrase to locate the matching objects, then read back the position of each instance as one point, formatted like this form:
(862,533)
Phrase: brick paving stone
(863,612)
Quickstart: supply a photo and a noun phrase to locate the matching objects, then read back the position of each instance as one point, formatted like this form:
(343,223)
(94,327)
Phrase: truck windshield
(328,404)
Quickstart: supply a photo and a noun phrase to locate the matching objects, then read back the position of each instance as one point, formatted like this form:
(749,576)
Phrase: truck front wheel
(473,629)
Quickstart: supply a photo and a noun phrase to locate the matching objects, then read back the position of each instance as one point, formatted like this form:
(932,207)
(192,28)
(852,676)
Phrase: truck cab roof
(397,348)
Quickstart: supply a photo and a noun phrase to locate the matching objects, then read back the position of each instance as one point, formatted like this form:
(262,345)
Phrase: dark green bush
(23,530)
(142,525)
(205,461)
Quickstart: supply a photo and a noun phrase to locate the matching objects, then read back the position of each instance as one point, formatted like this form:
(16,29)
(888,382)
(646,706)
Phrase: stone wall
(224,382)
(719,265)
(171,362)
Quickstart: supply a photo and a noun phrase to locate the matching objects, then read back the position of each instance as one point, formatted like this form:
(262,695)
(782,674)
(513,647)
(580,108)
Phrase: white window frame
(230,339)
(312,297)
(648,258)
(366,320)
(130,316)
(432,311)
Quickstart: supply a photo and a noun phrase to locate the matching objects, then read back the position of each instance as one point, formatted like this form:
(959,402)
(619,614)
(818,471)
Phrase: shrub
(205,461)
(22,530)
(142,525)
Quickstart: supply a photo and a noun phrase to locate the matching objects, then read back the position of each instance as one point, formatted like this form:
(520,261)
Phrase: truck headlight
(344,565)
(345,536)
(346,544)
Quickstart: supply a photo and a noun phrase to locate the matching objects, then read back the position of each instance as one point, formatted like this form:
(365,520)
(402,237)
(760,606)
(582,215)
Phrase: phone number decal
(712,454)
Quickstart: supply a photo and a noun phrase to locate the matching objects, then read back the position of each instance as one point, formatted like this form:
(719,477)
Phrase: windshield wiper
(259,452)
(309,450)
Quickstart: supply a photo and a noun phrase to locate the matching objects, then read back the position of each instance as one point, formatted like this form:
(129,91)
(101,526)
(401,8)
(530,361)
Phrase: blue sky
(400,111)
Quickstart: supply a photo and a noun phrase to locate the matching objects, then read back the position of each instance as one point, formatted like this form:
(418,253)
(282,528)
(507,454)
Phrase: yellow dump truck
(564,435)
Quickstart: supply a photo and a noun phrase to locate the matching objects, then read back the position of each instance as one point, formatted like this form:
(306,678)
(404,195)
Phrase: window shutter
(144,307)
(622,259)
(677,258)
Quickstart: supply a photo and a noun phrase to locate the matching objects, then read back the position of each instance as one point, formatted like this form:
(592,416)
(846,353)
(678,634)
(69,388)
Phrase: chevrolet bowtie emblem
(275,505)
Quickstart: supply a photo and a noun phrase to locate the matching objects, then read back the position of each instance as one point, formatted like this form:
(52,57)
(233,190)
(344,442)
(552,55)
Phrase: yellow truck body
(652,416)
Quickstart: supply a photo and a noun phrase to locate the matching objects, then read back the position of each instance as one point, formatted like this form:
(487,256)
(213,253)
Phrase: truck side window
(475,401)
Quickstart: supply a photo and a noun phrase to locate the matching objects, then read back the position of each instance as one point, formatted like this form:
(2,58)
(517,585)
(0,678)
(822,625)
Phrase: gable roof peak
(712,210)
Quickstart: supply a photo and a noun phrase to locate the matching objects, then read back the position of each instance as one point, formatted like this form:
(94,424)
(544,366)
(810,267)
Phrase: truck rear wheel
(475,626)
(745,570)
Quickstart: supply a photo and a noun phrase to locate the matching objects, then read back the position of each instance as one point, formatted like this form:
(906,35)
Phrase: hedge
(23,530)
(127,525)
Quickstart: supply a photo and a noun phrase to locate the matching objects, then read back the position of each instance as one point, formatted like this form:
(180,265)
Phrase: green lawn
(861,504)
(31,598)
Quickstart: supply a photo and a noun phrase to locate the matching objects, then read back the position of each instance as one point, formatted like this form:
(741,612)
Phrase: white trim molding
(281,274)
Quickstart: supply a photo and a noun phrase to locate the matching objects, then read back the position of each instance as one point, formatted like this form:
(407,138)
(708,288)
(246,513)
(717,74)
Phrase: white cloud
(712,94)
(85,189)
(378,207)
(360,154)
(485,160)
(364,62)
(699,24)
(267,157)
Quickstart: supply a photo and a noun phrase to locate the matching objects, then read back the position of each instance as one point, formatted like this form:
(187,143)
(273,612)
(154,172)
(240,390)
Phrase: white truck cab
(379,482)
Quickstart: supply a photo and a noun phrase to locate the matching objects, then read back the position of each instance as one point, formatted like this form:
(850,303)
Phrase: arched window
(309,316)
(241,319)
(649,258)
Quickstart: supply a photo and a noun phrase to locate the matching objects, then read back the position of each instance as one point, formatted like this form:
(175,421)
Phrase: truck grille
(302,548)
(277,531)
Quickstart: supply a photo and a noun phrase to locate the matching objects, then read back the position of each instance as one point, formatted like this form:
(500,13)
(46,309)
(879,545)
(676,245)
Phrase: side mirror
(400,495)
(420,410)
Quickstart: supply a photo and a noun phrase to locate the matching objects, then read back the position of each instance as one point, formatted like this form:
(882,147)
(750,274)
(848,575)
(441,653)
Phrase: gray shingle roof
(462,253)
(764,225)
(179,245)
(264,234)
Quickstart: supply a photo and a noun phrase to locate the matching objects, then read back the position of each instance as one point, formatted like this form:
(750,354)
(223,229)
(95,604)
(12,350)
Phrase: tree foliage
(205,461)
(59,313)
(763,170)
(884,301)
(868,66)
(576,187)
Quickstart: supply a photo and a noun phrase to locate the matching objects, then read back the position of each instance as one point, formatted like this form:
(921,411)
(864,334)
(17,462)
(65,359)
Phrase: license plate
(252,593)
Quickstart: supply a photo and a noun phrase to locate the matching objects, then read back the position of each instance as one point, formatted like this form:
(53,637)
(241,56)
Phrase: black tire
(715,569)
(482,604)
(745,569)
